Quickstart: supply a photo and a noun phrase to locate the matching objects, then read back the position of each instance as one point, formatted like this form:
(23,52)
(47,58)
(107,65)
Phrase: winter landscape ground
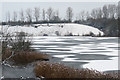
(46,42)
(68,44)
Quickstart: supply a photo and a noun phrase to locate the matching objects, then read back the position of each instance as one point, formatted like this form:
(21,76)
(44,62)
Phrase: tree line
(35,15)
(51,15)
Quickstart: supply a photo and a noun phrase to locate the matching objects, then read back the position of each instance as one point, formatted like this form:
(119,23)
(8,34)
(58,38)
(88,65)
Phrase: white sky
(59,0)
(61,5)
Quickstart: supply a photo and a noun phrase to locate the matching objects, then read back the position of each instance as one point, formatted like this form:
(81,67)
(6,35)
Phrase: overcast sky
(61,6)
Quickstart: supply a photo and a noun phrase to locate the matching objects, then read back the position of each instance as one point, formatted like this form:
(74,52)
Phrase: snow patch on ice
(103,65)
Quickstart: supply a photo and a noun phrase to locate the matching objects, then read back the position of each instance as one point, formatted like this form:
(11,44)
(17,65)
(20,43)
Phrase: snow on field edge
(52,29)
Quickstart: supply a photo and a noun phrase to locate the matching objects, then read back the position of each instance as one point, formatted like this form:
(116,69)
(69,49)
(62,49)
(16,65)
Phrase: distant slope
(68,29)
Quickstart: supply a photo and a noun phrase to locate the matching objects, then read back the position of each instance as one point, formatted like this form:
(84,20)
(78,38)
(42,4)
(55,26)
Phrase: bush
(21,43)
(16,43)
(90,34)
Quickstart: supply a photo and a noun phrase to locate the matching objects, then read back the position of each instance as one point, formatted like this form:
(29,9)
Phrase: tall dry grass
(56,70)
(24,57)
(6,54)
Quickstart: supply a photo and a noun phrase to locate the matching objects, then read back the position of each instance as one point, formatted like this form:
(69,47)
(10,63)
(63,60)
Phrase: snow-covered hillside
(53,29)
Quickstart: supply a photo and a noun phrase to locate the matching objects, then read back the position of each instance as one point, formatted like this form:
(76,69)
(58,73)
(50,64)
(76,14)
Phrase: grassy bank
(55,70)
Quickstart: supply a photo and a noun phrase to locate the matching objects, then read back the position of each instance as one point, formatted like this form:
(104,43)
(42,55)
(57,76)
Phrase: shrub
(90,34)
(21,43)
(16,43)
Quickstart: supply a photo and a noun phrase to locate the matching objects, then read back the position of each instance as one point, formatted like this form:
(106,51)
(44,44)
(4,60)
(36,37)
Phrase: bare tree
(105,11)
(14,16)
(22,18)
(57,13)
(87,15)
(118,9)
(69,13)
(99,13)
(49,13)
(37,13)
(8,17)
(111,10)
(116,12)
(94,14)
(43,14)
(55,16)
(77,17)
(82,15)
(29,15)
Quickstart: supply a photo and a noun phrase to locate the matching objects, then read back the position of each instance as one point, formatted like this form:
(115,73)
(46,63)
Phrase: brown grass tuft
(55,70)
(24,57)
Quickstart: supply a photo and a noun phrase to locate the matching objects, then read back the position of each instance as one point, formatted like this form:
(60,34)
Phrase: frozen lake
(99,53)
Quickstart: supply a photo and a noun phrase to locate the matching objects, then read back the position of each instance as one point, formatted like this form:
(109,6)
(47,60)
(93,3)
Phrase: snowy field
(52,29)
